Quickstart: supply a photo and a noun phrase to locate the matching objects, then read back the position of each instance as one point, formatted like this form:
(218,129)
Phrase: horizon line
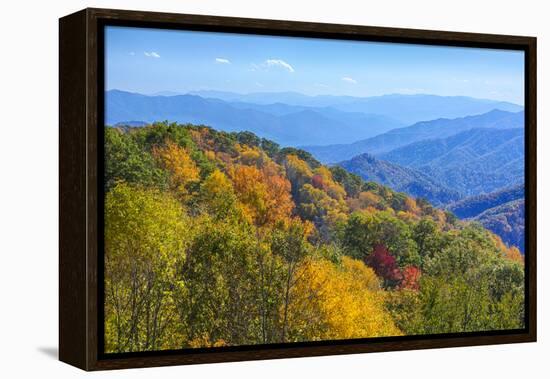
(192,93)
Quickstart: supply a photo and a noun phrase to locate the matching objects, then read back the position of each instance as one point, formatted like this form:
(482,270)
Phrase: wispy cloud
(151,54)
(222,61)
(132,53)
(349,80)
(253,67)
(279,63)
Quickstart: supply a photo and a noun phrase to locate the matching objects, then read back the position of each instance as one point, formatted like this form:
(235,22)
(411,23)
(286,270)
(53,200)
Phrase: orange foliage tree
(266,198)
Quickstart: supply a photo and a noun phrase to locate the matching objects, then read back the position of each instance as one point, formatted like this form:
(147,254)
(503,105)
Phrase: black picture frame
(81,97)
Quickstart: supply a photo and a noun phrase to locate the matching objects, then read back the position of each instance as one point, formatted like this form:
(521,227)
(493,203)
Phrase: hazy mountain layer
(407,109)
(396,138)
(284,124)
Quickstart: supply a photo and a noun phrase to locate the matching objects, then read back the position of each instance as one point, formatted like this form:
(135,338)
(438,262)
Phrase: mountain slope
(474,205)
(401,179)
(502,212)
(507,221)
(296,126)
(472,162)
(396,138)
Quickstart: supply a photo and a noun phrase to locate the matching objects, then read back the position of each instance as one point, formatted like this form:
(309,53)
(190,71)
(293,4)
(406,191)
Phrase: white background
(29,184)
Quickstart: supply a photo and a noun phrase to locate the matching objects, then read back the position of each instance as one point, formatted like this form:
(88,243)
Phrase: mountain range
(425,130)
(285,124)
(472,162)
(502,211)
(402,179)
(471,170)
(289,118)
(453,148)
(407,109)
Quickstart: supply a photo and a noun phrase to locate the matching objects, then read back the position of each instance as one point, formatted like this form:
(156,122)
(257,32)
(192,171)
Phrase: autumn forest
(216,238)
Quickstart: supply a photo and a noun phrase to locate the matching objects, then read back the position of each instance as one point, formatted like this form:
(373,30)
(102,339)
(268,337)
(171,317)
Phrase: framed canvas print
(237,189)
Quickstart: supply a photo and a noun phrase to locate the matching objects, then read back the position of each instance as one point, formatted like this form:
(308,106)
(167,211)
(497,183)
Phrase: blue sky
(154,60)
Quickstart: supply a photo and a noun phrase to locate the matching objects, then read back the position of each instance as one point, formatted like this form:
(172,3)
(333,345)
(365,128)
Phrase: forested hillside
(472,162)
(506,220)
(474,205)
(220,239)
(502,212)
(400,178)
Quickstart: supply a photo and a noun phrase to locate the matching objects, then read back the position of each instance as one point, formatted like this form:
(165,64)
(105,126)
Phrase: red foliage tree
(411,277)
(318,182)
(384,265)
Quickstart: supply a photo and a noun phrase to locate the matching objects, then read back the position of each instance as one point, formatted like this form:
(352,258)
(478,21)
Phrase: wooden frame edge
(78,183)
(72,189)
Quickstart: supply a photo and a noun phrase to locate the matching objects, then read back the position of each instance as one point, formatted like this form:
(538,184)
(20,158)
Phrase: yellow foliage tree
(251,156)
(411,206)
(365,200)
(332,302)
(297,170)
(177,161)
(319,207)
(333,189)
(146,233)
(217,197)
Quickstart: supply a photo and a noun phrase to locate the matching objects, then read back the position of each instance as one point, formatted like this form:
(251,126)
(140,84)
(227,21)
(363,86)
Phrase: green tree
(468,285)
(126,160)
(365,230)
(290,243)
(225,300)
(428,238)
(146,233)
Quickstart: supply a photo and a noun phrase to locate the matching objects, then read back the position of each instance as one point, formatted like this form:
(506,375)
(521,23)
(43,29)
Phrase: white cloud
(151,54)
(280,63)
(349,80)
(222,61)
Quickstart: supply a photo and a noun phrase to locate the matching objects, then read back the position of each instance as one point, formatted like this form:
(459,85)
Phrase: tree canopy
(221,239)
